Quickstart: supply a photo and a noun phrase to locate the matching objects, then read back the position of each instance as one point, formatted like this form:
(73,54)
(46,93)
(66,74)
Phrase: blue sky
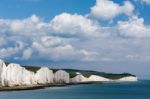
(43,8)
(111,36)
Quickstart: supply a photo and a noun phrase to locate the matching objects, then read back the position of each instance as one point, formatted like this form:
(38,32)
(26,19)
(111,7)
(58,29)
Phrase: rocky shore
(29,87)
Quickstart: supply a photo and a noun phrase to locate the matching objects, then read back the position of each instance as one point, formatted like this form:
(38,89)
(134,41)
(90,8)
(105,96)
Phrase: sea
(126,90)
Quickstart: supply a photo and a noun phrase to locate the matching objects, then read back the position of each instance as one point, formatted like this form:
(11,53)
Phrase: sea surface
(133,90)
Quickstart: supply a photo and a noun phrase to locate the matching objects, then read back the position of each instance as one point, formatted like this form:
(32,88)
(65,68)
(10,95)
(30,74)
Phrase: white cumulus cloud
(75,25)
(134,27)
(76,37)
(46,39)
(107,9)
(145,1)
(62,52)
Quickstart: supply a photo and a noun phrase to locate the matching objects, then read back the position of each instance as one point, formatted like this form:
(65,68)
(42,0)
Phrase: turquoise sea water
(135,90)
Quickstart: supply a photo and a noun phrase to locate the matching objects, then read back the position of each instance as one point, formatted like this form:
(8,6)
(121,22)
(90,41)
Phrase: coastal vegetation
(85,73)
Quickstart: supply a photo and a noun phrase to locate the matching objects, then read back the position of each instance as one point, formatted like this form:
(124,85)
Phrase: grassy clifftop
(32,68)
(85,73)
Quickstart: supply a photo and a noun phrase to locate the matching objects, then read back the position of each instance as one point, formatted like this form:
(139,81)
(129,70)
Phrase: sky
(103,35)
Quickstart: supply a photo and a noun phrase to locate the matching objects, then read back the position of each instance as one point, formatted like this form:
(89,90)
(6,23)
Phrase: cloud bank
(74,37)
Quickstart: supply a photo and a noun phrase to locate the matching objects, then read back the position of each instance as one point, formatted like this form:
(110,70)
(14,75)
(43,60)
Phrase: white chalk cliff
(2,68)
(61,77)
(129,78)
(79,79)
(44,76)
(93,78)
(97,78)
(16,75)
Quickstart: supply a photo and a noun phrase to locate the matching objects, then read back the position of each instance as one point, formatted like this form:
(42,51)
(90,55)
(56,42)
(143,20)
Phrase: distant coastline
(14,77)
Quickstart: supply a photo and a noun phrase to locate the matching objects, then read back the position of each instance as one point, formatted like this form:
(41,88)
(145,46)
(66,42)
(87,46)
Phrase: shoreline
(43,86)
(40,86)
(31,87)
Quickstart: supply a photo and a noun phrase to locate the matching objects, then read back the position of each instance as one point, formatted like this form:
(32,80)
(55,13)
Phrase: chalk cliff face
(2,68)
(93,78)
(44,76)
(79,79)
(129,78)
(15,75)
(61,77)
(97,78)
(28,77)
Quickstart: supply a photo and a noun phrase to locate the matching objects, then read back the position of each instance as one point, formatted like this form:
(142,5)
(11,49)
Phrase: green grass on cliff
(32,68)
(86,73)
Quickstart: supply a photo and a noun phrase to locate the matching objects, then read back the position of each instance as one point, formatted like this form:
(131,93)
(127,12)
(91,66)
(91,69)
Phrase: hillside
(86,73)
